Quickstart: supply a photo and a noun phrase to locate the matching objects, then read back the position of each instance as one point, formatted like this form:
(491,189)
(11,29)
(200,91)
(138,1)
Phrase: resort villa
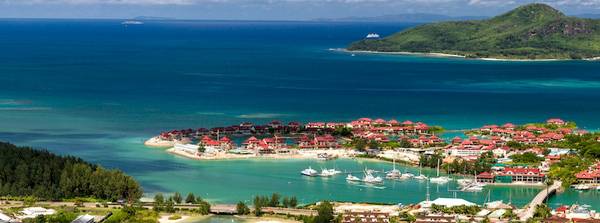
(513,175)
(589,176)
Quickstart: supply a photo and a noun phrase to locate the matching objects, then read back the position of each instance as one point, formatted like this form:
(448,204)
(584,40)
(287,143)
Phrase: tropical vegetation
(26,171)
(534,31)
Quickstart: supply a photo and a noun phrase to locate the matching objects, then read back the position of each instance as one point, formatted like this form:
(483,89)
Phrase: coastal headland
(529,32)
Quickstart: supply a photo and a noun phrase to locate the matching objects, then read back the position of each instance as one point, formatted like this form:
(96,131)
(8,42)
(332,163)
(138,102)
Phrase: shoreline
(300,154)
(446,55)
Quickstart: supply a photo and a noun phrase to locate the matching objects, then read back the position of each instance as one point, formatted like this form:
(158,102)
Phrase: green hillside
(534,31)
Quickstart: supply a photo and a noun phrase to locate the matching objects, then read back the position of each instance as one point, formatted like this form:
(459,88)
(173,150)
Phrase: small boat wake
(369,186)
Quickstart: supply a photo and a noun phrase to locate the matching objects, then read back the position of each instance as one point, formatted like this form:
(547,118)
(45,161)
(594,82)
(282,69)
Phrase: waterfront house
(485,177)
(555,121)
(315,125)
(589,176)
(318,142)
(393,122)
(520,175)
(222,144)
(471,147)
(275,124)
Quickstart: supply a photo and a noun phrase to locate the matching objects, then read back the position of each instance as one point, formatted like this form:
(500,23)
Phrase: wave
(262,115)
(557,83)
(210,113)
(26,109)
(14,102)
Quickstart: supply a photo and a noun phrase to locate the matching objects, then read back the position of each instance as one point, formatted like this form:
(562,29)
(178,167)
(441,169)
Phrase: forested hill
(534,31)
(28,172)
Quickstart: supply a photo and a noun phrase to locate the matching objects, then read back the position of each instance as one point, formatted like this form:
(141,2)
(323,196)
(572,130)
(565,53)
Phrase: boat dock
(539,199)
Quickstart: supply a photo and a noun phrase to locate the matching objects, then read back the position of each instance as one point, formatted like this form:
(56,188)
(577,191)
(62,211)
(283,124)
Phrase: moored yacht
(335,171)
(394,173)
(439,180)
(421,177)
(407,175)
(352,178)
(464,182)
(309,172)
(369,178)
(582,187)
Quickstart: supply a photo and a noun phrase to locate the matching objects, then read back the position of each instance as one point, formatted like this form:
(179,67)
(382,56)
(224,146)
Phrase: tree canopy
(28,172)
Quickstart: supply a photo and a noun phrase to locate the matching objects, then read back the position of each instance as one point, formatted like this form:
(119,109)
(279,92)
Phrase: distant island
(533,31)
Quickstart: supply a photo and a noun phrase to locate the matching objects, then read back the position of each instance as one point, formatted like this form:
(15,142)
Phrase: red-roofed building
(521,174)
(589,176)
(393,122)
(407,122)
(556,121)
(485,177)
(315,125)
(318,142)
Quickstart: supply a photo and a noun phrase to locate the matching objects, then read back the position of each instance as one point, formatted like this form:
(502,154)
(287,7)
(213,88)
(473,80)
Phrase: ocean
(97,89)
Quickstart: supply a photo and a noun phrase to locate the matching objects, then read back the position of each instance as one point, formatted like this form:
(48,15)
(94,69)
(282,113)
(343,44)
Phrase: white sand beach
(457,56)
(294,154)
(158,142)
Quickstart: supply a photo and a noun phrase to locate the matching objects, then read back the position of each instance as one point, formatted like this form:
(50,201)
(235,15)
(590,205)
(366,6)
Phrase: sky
(271,9)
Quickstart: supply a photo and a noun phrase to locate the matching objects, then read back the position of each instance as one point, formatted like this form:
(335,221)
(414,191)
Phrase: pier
(539,199)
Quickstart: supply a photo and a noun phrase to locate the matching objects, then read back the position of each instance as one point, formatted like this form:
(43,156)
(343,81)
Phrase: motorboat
(465,182)
(326,173)
(407,175)
(372,179)
(352,178)
(582,187)
(309,172)
(421,177)
(439,180)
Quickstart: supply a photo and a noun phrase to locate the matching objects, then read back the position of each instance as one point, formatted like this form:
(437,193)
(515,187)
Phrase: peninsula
(529,32)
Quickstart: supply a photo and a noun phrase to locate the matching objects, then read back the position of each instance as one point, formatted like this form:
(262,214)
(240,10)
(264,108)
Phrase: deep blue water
(96,89)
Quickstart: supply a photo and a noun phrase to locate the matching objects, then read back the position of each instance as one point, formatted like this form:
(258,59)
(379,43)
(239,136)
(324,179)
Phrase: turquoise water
(95,89)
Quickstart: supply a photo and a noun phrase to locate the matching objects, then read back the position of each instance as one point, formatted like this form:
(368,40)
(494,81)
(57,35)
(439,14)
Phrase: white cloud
(491,2)
(76,2)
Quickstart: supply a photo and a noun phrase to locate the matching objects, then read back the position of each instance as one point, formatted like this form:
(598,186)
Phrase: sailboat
(407,175)
(438,179)
(369,178)
(421,176)
(394,173)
